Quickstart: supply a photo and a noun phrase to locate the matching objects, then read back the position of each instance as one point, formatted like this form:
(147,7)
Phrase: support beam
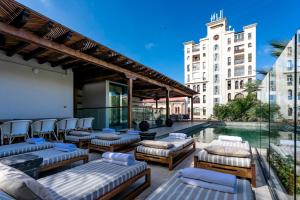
(129,99)
(192,108)
(62,49)
(167,103)
(21,19)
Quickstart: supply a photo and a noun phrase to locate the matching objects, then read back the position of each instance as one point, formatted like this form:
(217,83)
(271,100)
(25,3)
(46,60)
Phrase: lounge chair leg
(170,163)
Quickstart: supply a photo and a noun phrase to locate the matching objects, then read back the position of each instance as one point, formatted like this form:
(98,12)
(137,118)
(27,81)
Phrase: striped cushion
(125,139)
(4,196)
(24,147)
(178,144)
(52,156)
(223,160)
(244,145)
(91,180)
(73,138)
(176,189)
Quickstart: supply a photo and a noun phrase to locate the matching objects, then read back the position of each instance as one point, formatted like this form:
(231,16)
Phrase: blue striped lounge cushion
(125,139)
(91,180)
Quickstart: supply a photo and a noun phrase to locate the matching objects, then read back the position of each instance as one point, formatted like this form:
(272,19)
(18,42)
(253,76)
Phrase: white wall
(26,95)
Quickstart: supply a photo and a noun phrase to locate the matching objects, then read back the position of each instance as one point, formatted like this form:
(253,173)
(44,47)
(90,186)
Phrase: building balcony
(238,62)
(239,51)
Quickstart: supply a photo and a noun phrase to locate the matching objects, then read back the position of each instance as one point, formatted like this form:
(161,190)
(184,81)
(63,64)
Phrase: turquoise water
(256,137)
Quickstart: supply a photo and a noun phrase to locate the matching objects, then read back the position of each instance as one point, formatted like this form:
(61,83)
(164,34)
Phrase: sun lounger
(95,180)
(81,140)
(174,188)
(123,144)
(172,156)
(240,166)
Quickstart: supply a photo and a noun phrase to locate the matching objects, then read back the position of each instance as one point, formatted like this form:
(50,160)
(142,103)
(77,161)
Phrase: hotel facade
(219,65)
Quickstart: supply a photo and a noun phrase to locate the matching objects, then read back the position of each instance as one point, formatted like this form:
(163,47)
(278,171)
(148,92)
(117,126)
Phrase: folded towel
(108,136)
(209,176)
(289,143)
(35,140)
(157,144)
(64,146)
(128,163)
(133,132)
(122,157)
(178,135)
(230,151)
(108,130)
(230,138)
(210,186)
(80,133)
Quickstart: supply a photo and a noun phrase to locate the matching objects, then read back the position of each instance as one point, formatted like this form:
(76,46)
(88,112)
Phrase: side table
(27,163)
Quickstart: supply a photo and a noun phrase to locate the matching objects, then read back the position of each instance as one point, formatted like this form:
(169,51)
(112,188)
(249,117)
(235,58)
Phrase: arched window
(229,73)
(290,94)
(204,98)
(196,99)
(290,111)
(204,111)
(241,84)
(229,96)
(194,87)
(250,44)
(229,85)
(236,85)
(196,111)
(239,96)
(249,69)
(198,88)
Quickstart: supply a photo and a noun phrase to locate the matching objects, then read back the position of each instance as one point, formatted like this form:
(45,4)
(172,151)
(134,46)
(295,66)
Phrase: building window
(250,70)
(216,47)
(229,49)
(196,58)
(194,87)
(228,85)
(239,71)
(236,85)
(188,78)
(250,44)
(241,84)
(289,79)
(196,67)
(203,47)
(188,57)
(229,41)
(188,68)
(249,80)
(249,36)
(203,77)
(196,111)
(290,94)
(216,57)
(216,68)
(204,87)
(289,65)
(239,37)
(289,51)
(196,99)
(229,96)
(188,50)
(229,61)
(216,100)
(204,55)
(229,73)
(204,99)
(290,111)
(249,57)
(198,88)
(204,65)
(216,90)
(204,111)
(216,78)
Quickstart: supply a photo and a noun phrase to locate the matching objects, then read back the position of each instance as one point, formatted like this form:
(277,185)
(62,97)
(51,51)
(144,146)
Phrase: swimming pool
(256,137)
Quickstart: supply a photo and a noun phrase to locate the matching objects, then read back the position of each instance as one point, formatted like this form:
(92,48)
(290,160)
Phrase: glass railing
(155,117)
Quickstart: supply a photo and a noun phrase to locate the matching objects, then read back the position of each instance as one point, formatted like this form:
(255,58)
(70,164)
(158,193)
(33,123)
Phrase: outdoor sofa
(181,148)
(243,166)
(95,180)
(52,157)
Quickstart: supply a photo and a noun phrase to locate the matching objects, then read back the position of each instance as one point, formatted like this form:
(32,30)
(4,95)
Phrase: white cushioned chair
(43,127)
(13,129)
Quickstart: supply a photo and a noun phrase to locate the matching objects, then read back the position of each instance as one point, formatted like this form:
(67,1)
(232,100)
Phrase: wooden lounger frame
(115,147)
(172,160)
(84,158)
(243,172)
(146,173)
(82,143)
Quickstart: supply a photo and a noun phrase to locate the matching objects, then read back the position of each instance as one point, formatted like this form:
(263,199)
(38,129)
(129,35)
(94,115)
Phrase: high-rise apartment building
(219,65)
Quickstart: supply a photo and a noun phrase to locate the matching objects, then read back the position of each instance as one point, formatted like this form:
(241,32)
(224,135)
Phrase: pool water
(256,137)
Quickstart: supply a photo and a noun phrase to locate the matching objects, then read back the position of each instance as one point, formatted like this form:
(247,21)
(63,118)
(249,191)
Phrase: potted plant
(169,122)
(144,126)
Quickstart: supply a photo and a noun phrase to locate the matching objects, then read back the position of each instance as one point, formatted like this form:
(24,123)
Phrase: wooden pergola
(34,36)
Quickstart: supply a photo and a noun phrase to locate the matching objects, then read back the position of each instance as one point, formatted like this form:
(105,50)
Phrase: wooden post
(156,103)
(167,103)
(192,109)
(129,100)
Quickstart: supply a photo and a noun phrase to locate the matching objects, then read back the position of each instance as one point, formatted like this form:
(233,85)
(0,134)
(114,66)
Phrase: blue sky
(152,32)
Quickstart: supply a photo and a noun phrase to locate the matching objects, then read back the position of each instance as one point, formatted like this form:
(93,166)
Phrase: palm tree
(277,47)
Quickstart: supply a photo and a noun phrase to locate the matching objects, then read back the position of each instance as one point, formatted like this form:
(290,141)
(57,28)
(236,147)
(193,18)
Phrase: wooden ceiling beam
(21,19)
(27,36)
(21,45)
